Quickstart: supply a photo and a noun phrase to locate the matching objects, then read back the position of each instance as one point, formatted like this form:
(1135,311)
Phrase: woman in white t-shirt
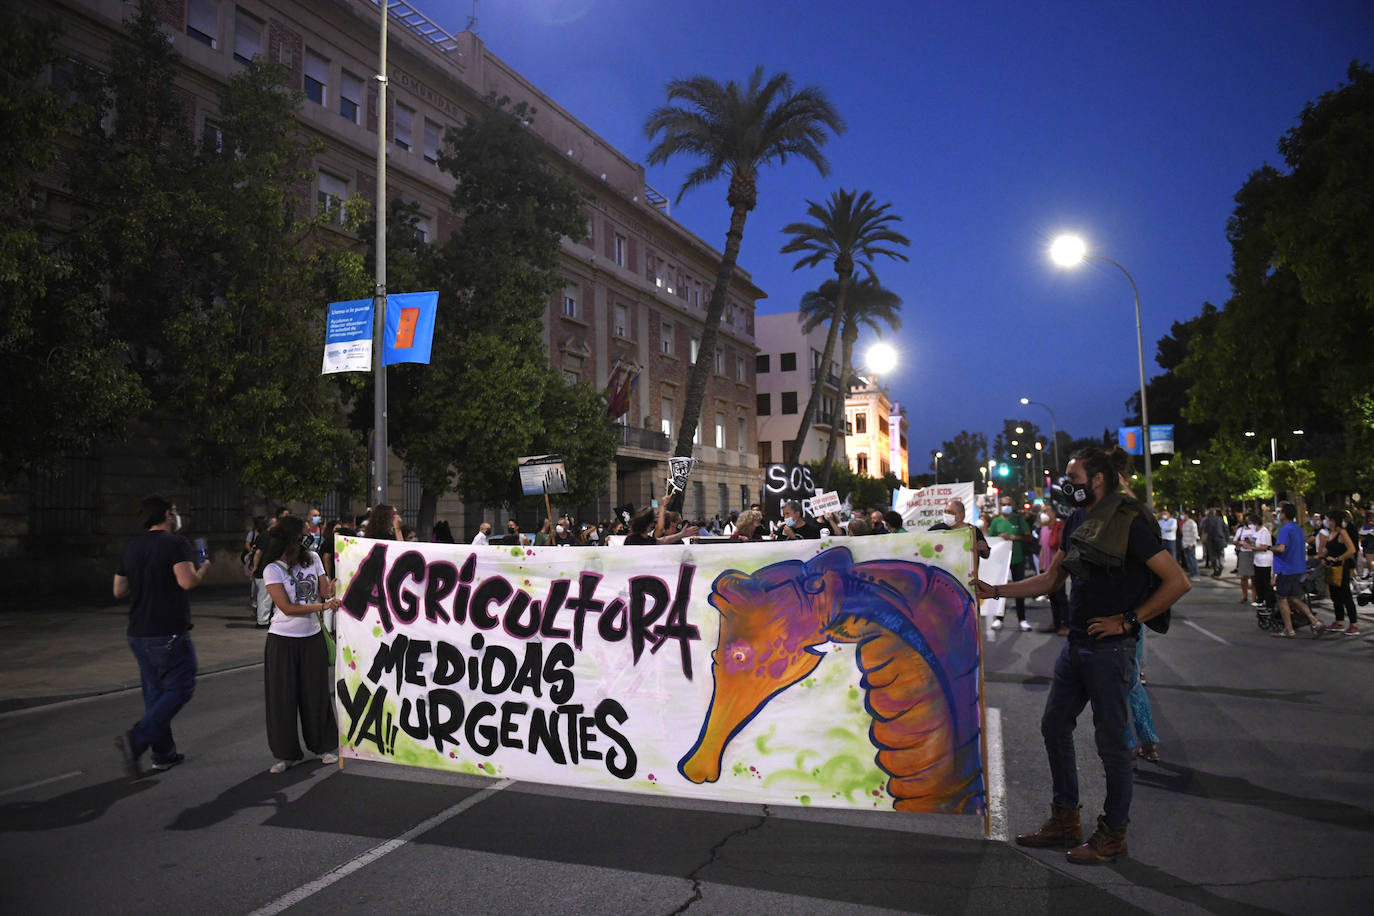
(1264,560)
(296,670)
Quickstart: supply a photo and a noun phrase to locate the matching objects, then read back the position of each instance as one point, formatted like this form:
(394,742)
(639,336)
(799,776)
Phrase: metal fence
(66,498)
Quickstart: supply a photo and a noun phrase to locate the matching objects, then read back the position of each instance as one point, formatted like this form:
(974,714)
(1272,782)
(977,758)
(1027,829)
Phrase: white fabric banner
(745,673)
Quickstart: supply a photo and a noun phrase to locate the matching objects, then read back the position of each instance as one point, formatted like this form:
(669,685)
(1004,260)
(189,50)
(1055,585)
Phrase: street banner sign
(742,675)
(348,337)
(409,327)
(541,474)
(1161,439)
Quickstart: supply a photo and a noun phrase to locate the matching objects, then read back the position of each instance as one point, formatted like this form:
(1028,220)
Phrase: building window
(666,409)
(423,233)
(212,137)
(696,349)
(720,361)
(787,446)
(861,463)
(695,296)
(620,242)
(330,196)
(739,368)
(788,363)
(789,402)
(316,77)
(860,423)
(202,21)
(622,321)
(351,97)
(882,425)
(720,430)
(742,437)
(570,377)
(433,140)
(247,36)
(765,453)
(403,125)
(571,292)
(763,404)
(761,363)
(665,337)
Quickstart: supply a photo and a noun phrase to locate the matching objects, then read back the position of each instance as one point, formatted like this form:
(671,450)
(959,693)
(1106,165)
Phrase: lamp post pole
(1054,431)
(938,456)
(379,443)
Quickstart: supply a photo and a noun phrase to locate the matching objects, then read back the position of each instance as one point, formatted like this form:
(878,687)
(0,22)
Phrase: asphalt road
(1261,804)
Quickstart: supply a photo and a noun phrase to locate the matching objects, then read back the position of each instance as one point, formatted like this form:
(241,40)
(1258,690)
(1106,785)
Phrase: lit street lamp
(1070,251)
(1054,430)
(938,456)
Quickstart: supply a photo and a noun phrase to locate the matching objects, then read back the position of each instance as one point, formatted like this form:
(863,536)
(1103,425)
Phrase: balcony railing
(648,439)
(831,378)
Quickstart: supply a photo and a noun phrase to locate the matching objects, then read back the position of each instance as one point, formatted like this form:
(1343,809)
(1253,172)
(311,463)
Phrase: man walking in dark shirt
(155,573)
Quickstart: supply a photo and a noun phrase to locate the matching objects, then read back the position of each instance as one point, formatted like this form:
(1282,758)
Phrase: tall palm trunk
(848,337)
(696,381)
(813,402)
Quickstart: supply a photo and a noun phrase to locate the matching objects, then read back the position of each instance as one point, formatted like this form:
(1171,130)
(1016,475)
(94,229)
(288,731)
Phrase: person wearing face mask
(314,526)
(795,525)
(155,573)
(1051,536)
(1109,547)
(1011,526)
(953,519)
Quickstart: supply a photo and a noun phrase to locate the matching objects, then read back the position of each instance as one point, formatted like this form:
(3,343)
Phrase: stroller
(1313,587)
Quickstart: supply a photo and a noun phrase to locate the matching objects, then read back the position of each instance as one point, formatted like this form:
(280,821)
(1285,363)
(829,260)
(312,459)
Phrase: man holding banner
(1110,547)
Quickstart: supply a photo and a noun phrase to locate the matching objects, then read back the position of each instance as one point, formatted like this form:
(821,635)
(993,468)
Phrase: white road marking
(41,782)
(997,781)
(343,871)
(1208,633)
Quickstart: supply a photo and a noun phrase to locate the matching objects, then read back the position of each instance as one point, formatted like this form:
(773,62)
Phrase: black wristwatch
(1128,617)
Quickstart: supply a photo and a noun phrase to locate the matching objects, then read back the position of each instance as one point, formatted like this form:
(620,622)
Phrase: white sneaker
(329,758)
(1025,625)
(997,623)
(281,766)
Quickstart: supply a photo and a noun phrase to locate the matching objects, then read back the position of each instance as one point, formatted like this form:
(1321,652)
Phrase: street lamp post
(1068,251)
(938,456)
(1054,429)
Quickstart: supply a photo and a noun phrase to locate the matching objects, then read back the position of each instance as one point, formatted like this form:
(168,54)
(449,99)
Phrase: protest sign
(542,474)
(348,337)
(745,675)
(680,469)
(824,503)
(785,483)
(924,507)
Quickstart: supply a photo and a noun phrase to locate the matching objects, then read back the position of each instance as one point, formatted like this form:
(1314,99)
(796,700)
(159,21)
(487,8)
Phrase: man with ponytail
(1111,552)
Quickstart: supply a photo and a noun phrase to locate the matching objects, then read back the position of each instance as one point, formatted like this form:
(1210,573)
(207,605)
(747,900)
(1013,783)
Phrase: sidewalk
(56,653)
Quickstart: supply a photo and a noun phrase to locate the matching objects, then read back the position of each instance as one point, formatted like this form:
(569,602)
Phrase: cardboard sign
(825,503)
(541,474)
(681,469)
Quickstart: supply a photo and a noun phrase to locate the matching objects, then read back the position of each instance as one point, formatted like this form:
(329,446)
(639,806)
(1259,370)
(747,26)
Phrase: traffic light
(1003,470)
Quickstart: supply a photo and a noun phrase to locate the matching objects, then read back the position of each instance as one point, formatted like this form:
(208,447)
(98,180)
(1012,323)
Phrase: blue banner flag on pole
(1161,439)
(409,327)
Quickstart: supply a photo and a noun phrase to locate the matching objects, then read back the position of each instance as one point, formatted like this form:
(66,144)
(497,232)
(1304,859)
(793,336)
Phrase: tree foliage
(963,456)
(734,130)
(862,491)
(66,379)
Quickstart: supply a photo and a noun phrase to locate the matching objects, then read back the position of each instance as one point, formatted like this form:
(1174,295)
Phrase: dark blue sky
(991,128)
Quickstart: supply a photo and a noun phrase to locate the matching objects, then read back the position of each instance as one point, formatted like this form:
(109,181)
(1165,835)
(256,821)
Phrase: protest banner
(348,337)
(748,675)
(924,507)
(824,503)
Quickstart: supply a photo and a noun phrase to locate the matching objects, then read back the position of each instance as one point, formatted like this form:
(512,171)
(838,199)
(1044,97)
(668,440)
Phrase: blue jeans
(167,665)
(1100,674)
(1190,560)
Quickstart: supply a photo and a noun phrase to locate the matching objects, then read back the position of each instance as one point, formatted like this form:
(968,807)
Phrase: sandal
(1284,634)
(1148,752)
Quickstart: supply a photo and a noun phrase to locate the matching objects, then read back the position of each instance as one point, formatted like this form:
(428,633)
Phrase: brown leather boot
(1105,845)
(1062,830)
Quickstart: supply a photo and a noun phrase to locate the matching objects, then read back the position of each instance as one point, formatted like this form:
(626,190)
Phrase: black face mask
(1075,494)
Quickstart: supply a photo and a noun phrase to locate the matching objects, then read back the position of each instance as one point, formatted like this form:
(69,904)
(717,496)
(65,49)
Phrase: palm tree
(851,229)
(867,303)
(735,129)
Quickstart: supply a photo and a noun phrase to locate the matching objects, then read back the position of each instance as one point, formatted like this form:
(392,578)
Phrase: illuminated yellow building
(872,448)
